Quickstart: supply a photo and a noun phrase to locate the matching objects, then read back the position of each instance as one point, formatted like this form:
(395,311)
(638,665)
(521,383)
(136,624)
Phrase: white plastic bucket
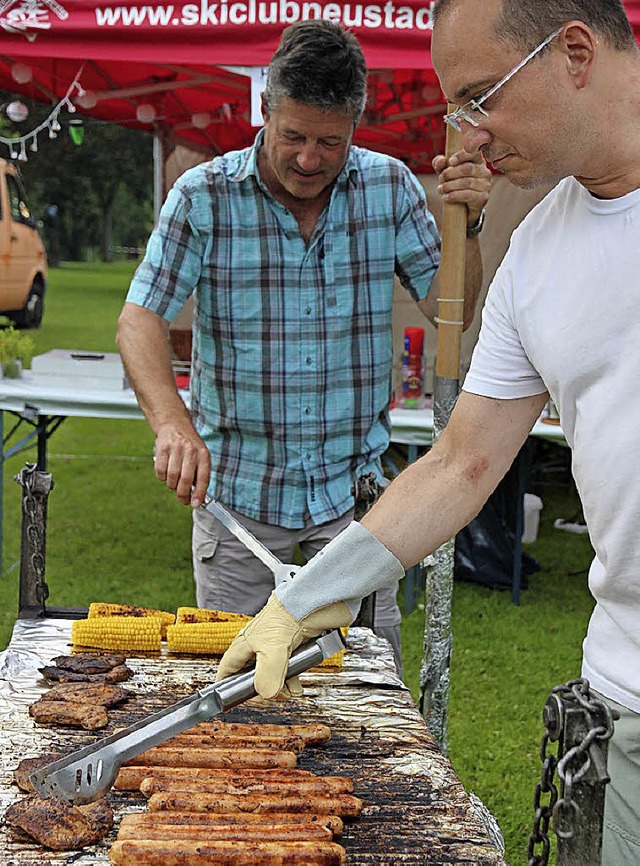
(532,509)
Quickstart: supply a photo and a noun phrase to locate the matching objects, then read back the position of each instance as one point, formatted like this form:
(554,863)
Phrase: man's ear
(580,46)
(263,108)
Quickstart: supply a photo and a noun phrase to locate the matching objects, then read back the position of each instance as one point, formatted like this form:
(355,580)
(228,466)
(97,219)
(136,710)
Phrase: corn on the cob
(202,637)
(118,632)
(200,614)
(103,608)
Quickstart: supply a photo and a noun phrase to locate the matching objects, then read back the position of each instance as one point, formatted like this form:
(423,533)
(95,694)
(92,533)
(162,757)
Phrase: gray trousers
(229,577)
(621,837)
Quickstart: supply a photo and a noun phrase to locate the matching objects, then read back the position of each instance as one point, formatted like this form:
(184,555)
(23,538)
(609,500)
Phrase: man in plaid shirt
(289,249)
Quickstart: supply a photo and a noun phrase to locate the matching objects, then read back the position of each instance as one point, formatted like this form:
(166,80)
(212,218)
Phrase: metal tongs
(89,773)
(280,570)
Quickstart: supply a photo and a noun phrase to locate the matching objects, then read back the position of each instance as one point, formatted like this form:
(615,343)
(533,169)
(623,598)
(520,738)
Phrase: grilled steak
(27,766)
(69,713)
(87,693)
(89,664)
(58,825)
(60,675)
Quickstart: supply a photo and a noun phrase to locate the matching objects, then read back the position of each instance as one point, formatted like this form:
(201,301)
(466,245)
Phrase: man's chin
(304,190)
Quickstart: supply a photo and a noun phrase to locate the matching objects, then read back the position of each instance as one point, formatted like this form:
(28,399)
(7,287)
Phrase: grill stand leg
(36,486)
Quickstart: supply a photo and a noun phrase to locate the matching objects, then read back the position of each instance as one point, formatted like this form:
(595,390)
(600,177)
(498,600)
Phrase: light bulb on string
(146,113)
(201,119)
(55,126)
(22,156)
(87,99)
(17,111)
(33,147)
(21,73)
(52,132)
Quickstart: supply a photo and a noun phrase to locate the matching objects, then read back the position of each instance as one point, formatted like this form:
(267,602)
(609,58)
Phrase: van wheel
(30,316)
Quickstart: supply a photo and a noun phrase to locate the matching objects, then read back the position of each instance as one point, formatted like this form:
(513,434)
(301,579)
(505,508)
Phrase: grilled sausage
(311,734)
(237,785)
(165,853)
(345,805)
(204,757)
(234,741)
(129,778)
(227,832)
(198,819)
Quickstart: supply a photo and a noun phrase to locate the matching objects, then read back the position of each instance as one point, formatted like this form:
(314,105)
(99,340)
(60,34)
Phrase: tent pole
(158,175)
(434,671)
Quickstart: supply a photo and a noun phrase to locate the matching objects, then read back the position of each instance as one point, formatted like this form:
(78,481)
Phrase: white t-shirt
(563,315)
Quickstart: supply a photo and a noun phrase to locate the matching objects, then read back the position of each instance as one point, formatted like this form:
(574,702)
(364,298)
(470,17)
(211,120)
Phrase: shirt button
(309,362)
(307,311)
(307,410)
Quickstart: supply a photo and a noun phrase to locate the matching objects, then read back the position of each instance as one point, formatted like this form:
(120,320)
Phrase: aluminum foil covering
(416,811)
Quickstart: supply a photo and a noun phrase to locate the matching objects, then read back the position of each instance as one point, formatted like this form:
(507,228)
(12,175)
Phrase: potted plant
(16,350)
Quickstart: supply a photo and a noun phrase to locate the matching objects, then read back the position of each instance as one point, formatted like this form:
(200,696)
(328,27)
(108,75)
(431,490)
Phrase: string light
(18,146)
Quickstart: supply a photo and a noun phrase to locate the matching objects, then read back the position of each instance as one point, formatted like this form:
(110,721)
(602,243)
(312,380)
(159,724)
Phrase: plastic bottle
(412,370)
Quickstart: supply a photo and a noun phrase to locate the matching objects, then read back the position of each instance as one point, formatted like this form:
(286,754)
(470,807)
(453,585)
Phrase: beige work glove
(271,637)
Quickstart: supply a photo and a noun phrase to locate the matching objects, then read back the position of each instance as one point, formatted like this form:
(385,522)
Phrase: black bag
(485,550)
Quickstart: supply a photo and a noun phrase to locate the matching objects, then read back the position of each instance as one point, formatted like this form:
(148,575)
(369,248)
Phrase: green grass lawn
(116,534)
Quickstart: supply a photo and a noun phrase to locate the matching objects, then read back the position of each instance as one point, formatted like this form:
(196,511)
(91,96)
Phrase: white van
(23,261)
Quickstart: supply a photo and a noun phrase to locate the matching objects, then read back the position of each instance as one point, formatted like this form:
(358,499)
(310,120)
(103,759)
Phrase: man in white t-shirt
(549,91)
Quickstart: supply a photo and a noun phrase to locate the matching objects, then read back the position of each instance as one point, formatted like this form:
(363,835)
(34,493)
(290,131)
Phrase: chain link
(34,528)
(563,812)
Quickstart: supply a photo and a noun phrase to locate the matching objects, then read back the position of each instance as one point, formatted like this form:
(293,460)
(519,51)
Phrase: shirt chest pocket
(358,275)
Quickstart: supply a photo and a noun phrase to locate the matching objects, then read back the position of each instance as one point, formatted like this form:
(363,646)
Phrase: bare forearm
(181,458)
(440,493)
(142,341)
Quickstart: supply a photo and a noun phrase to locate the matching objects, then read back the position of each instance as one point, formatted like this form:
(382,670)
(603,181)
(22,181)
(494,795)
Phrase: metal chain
(34,529)
(563,812)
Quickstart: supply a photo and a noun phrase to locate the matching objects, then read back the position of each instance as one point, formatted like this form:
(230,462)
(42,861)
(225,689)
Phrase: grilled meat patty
(60,675)
(87,693)
(58,825)
(29,765)
(80,715)
(89,664)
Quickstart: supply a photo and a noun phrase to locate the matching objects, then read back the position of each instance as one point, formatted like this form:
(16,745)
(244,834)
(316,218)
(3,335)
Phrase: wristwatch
(474,230)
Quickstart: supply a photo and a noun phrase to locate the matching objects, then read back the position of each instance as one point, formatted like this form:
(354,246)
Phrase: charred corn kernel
(103,608)
(200,614)
(213,638)
(118,632)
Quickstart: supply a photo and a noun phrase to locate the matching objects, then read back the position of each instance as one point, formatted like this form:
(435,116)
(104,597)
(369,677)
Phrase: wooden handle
(451,302)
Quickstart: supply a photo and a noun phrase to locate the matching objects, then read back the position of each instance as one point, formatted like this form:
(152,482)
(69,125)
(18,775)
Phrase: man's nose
(309,156)
(473,137)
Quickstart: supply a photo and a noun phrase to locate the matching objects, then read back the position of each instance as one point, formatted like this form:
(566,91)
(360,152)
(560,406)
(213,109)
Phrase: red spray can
(412,396)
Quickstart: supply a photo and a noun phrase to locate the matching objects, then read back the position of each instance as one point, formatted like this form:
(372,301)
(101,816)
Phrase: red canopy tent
(162,67)
(171,60)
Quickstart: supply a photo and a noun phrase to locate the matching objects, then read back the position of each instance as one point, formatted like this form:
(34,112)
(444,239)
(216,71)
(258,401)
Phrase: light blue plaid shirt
(292,343)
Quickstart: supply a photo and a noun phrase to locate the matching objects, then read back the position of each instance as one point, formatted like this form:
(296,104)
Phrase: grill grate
(416,811)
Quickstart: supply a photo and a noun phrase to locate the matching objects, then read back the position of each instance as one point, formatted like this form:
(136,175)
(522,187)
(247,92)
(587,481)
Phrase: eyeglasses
(473,112)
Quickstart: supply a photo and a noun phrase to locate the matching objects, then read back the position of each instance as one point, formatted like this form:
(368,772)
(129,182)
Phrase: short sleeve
(500,366)
(170,270)
(417,239)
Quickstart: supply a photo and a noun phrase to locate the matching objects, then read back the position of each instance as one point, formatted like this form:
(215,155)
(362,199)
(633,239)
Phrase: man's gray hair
(318,63)
(526,23)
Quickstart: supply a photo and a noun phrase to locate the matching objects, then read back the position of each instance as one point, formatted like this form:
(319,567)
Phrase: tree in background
(92,186)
